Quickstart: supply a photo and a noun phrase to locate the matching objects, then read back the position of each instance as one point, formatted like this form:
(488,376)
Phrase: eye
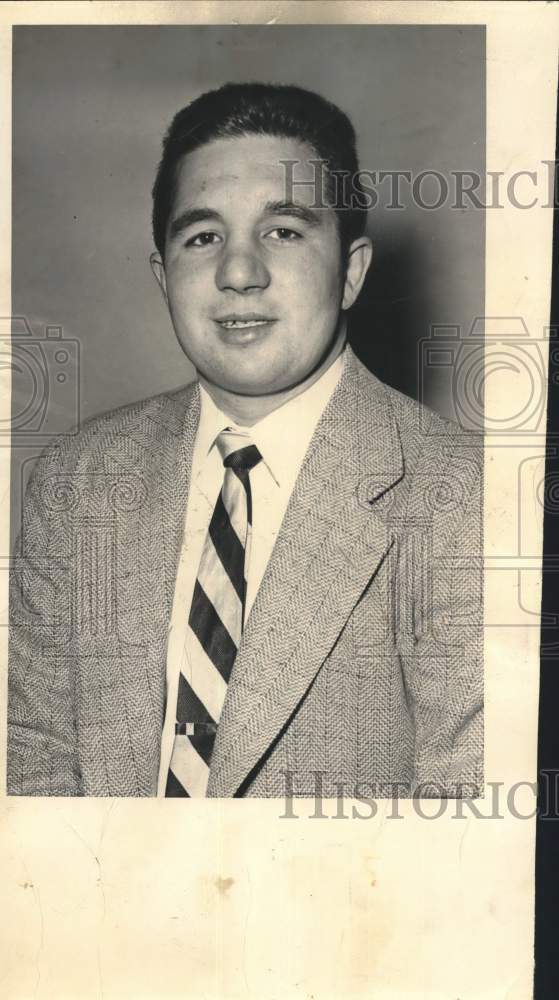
(204,239)
(284,235)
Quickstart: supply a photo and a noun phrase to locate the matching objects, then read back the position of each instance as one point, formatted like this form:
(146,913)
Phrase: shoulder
(438,465)
(157,415)
(425,432)
(442,487)
(428,440)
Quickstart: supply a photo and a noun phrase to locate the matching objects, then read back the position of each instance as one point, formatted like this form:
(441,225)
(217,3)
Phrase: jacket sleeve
(42,744)
(443,664)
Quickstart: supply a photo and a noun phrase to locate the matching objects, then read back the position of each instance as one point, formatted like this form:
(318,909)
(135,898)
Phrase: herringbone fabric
(215,621)
(362,658)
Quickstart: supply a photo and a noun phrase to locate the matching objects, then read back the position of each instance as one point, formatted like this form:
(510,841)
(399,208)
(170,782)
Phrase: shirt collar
(283,436)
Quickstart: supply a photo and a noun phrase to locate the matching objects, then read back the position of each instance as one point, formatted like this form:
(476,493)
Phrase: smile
(238,324)
(244,322)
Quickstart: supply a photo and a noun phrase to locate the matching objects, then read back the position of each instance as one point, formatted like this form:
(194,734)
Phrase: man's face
(255,285)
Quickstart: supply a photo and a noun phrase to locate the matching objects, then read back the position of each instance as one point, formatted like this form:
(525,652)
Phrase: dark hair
(239,109)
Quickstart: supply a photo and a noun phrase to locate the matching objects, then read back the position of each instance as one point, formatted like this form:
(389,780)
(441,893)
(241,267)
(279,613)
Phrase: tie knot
(237,451)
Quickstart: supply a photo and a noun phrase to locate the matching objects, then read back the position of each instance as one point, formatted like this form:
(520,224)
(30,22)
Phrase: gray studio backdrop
(90,106)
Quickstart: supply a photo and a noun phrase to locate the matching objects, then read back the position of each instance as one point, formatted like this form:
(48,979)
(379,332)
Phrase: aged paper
(272,899)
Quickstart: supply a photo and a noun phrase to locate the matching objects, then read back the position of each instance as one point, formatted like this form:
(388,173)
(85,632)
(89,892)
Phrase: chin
(250,383)
(250,389)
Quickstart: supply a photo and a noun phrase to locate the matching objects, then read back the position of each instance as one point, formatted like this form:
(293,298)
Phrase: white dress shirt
(282,439)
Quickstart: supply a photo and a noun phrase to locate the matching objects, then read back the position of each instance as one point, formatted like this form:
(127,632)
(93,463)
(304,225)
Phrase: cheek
(321,277)
(186,284)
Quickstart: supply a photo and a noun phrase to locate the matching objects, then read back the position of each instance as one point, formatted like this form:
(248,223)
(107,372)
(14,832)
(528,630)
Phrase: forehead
(252,166)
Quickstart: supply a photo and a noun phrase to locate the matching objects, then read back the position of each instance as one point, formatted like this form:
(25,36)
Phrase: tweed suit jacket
(360,667)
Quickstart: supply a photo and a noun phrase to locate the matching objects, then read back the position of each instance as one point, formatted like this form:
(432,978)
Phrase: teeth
(238,324)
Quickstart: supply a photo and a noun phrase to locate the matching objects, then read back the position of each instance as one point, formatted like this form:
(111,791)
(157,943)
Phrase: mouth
(249,321)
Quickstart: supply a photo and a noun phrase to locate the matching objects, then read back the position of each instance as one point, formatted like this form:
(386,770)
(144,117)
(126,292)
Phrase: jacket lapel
(332,541)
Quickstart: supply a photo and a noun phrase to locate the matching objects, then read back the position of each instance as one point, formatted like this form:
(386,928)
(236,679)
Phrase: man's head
(257,265)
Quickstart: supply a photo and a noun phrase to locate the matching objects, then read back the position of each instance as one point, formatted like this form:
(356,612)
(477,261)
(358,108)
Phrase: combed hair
(240,109)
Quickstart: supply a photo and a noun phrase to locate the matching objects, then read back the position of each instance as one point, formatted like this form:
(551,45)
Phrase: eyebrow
(291,209)
(189,217)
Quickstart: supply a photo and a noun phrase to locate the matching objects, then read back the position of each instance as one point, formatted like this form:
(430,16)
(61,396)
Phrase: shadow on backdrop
(390,317)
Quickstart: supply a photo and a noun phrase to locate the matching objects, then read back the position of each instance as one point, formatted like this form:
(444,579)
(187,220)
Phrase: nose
(241,269)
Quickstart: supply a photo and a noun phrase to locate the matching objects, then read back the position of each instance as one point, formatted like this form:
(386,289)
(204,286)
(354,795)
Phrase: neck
(248,410)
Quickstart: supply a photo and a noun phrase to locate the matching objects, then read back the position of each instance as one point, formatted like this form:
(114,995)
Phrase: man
(271,577)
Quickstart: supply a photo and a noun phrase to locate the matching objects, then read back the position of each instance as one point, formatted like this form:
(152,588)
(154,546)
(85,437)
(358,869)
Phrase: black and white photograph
(269,577)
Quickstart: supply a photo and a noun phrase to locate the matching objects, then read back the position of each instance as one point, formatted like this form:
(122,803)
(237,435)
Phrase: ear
(158,268)
(359,258)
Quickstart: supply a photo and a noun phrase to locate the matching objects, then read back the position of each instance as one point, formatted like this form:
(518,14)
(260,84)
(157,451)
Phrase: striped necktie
(215,621)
